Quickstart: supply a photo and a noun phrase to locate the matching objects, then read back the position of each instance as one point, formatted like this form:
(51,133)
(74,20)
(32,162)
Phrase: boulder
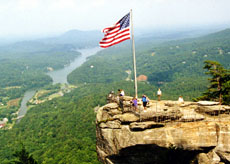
(224,156)
(166,129)
(210,110)
(116,124)
(127,98)
(110,106)
(113,112)
(207,103)
(127,117)
(191,115)
(161,114)
(202,158)
(101,115)
(140,126)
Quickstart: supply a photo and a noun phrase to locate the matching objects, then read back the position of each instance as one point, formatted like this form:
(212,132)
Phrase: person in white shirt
(180,100)
(159,93)
(122,92)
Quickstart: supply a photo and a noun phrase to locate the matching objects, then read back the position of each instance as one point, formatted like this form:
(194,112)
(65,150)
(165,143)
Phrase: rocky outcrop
(167,132)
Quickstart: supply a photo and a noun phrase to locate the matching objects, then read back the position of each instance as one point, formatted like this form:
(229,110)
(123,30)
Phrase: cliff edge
(168,132)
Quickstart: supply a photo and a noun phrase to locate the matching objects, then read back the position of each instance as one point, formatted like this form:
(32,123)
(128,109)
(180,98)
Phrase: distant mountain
(77,38)
(177,33)
(224,34)
(69,40)
(73,39)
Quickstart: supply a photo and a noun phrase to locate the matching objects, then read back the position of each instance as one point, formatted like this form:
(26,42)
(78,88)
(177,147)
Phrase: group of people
(134,101)
(112,97)
(144,100)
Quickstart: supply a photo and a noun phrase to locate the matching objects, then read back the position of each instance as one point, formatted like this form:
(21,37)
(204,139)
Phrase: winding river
(59,76)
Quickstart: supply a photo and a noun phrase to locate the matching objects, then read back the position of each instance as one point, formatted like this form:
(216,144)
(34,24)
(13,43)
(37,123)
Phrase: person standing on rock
(111,97)
(121,92)
(121,95)
(159,93)
(134,104)
(181,100)
(144,101)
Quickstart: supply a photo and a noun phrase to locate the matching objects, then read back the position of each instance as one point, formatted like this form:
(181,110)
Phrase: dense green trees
(59,131)
(219,88)
(25,63)
(63,130)
(175,66)
(23,157)
(23,66)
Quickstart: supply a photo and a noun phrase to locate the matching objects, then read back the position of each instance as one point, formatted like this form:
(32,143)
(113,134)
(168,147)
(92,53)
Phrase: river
(59,76)
(26,98)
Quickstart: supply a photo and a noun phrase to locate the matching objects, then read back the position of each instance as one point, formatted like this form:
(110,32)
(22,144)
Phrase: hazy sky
(29,17)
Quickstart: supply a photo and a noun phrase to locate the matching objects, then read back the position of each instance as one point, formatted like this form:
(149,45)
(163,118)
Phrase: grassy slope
(175,66)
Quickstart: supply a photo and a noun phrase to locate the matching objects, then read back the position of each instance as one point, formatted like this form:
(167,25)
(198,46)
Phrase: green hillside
(175,66)
(61,130)
(24,65)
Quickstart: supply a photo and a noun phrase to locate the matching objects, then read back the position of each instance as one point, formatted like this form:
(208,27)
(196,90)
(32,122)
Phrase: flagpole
(134,56)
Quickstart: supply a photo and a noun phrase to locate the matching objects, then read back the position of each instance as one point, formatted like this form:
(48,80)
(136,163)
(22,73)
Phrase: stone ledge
(189,127)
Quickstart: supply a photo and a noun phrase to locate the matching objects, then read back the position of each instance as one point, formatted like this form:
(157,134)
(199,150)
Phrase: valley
(59,126)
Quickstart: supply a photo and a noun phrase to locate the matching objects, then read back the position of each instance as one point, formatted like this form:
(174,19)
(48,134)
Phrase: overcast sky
(31,17)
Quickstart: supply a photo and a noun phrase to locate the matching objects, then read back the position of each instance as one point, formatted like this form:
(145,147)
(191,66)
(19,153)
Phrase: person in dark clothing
(144,100)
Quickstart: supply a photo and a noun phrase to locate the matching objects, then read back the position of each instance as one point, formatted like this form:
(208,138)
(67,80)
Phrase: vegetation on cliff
(219,88)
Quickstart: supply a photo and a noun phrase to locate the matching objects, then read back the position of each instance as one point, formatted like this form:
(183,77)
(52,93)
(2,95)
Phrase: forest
(174,66)
(63,130)
(23,66)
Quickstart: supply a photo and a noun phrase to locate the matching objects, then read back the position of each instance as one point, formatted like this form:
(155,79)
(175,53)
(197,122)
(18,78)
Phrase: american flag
(117,33)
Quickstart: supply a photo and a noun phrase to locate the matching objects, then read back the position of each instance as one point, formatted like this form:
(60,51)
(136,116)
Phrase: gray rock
(127,117)
(213,157)
(110,106)
(113,112)
(211,110)
(202,158)
(207,103)
(127,98)
(96,109)
(224,156)
(137,126)
(191,115)
(122,136)
(116,124)
(161,114)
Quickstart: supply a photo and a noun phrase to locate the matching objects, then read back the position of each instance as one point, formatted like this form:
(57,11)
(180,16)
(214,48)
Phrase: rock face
(167,132)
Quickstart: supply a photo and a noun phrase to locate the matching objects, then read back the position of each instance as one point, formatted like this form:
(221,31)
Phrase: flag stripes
(117,33)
